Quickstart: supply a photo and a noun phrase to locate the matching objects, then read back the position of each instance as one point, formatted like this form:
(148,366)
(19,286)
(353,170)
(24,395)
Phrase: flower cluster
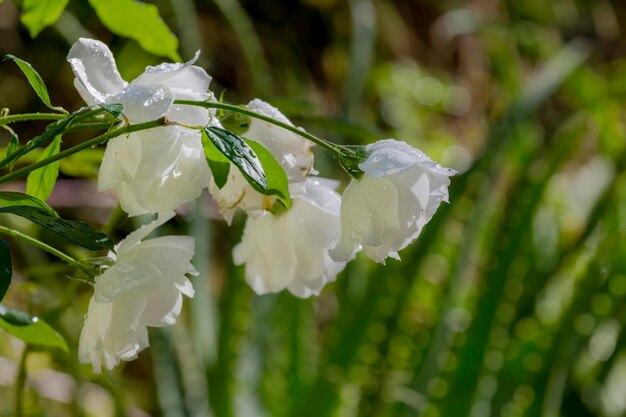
(299,249)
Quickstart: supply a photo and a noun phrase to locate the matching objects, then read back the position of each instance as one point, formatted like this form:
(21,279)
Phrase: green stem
(30,116)
(41,245)
(339,150)
(91,142)
(20,384)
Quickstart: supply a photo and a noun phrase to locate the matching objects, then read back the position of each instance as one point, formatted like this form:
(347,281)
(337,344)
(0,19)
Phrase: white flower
(158,169)
(291,151)
(155,170)
(290,250)
(148,96)
(143,287)
(388,206)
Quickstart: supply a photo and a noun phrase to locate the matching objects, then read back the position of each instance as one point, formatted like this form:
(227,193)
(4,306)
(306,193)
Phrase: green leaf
(114,109)
(240,154)
(13,198)
(38,14)
(277,182)
(75,231)
(35,81)
(218,163)
(138,21)
(30,329)
(14,143)
(6,267)
(40,182)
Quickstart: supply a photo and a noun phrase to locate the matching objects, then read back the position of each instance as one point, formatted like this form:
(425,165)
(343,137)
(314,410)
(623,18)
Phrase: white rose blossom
(143,287)
(386,209)
(291,151)
(290,250)
(158,169)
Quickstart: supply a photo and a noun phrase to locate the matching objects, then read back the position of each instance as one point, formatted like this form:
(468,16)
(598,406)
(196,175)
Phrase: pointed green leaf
(240,154)
(35,81)
(13,145)
(30,329)
(75,231)
(38,14)
(6,267)
(277,182)
(13,198)
(113,109)
(40,182)
(218,163)
(139,21)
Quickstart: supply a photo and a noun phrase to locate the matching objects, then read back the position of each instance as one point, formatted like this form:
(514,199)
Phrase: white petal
(290,250)
(91,341)
(190,115)
(369,209)
(290,150)
(138,235)
(143,104)
(177,76)
(390,156)
(120,161)
(168,169)
(95,69)
(237,193)
(163,307)
(150,264)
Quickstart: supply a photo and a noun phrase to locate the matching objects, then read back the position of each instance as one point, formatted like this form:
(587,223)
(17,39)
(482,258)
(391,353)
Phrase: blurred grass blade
(250,44)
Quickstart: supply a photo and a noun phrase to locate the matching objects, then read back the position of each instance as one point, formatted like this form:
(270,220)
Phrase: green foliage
(139,21)
(218,162)
(12,198)
(33,77)
(30,329)
(240,154)
(74,231)
(40,182)
(6,267)
(277,183)
(39,14)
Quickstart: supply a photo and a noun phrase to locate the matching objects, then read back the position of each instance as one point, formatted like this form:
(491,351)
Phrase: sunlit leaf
(240,154)
(30,329)
(218,163)
(277,182)
(38,14)
(6,267)
(35,81)
(75,231)
(40,182)
(138,21)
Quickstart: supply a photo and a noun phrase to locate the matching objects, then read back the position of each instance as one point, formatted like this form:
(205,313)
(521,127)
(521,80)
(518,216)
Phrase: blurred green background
(511,302)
